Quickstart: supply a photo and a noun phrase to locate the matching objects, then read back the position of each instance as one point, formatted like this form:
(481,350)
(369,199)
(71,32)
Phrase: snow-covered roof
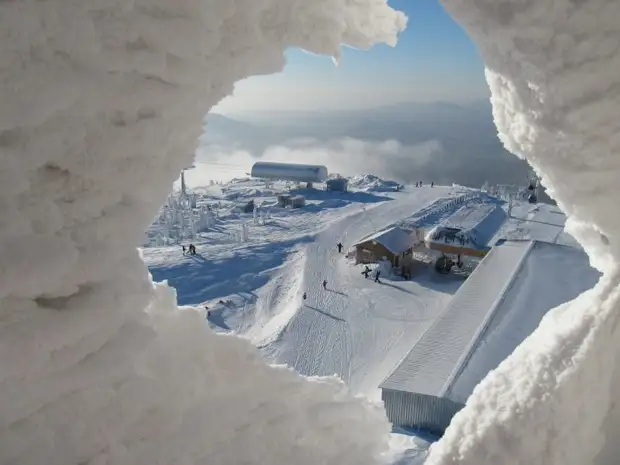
(474,223)
(499,305)
(289,171)
(395,239)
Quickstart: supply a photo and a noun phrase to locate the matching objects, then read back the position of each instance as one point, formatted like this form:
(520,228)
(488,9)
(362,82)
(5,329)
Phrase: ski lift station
(290,172)
(495,309)
(468,231)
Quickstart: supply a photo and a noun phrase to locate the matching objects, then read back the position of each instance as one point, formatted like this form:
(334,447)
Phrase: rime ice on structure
(102,101)
(554,72)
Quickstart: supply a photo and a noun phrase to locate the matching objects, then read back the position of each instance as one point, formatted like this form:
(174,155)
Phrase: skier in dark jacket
(340,246)
(377,274)
(183,249)
(304,296)
(325,284)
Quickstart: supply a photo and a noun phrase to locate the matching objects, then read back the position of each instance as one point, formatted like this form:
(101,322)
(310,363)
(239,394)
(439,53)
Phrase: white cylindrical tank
(289,172)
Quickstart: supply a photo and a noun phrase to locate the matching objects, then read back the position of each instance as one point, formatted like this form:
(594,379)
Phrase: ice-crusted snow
(102,104)
(554,73)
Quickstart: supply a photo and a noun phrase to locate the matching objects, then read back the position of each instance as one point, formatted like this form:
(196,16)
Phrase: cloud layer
(346,156)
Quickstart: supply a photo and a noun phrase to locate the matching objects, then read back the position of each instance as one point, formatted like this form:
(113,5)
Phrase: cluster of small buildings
(495,309)
(467,232)
(486,319)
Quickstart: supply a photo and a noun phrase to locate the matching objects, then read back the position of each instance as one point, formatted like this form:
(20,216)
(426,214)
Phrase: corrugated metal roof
(436,358)
(395,239)
(551,275)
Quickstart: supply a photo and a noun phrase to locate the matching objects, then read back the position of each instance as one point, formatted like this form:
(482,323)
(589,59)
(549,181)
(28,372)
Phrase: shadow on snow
(202,277)
(329,315)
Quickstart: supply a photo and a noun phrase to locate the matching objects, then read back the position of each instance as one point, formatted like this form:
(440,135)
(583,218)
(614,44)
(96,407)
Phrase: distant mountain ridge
(472,153)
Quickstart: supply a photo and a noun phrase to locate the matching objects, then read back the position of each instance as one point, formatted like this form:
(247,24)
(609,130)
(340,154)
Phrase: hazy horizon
(434,60)
(406,142)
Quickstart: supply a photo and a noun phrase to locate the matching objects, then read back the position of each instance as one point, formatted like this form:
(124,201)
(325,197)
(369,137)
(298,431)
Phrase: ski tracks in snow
(354,326)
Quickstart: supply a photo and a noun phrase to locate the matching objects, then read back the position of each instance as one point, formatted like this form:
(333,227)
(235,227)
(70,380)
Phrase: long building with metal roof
(499,305)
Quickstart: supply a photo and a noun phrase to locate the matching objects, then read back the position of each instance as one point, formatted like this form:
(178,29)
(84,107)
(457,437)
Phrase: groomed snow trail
(356,328)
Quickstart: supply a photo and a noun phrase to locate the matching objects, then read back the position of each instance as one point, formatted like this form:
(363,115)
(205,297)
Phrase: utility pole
(183,187)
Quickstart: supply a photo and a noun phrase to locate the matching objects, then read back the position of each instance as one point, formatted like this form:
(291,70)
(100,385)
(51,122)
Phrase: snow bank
(554,73)
(371,183)
(102,104)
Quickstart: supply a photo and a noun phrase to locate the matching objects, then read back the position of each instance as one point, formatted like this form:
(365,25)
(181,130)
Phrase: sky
(433,61)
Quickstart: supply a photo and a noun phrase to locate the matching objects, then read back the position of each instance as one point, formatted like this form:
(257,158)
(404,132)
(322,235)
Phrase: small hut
(337,185)
(284,200)
(298,201)
(395,244)
(287,200)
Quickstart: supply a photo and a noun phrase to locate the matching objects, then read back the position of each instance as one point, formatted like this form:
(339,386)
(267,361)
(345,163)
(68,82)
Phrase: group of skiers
(420,184)
(191,249)
(367,272)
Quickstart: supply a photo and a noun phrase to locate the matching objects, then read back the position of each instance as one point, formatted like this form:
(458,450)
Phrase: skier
(325,284)
(377,274)
(304,296)
(366,272)
(183,249)
(339,247)
(432,183)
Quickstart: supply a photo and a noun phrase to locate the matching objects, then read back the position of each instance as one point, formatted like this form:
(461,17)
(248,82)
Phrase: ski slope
(356,329)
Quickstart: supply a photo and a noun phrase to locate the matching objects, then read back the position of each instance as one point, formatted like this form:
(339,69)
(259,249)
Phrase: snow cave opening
(101,104)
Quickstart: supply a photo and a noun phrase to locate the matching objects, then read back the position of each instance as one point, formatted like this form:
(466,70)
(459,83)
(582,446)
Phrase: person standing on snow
(183,249)
(377,274)
(366,272)
(340,246)
(304,296)
(325,284)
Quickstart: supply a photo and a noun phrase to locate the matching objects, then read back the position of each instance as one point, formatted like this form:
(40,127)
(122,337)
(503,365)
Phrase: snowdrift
(102,106)
(371,183)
